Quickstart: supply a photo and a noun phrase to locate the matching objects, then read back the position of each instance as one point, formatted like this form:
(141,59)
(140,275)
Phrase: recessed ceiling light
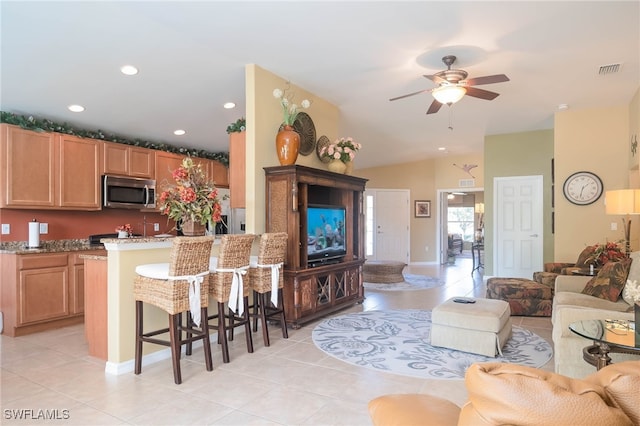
(563,107)
(229,105)
(179,132)
(129,70)
(442,148)
(76,108)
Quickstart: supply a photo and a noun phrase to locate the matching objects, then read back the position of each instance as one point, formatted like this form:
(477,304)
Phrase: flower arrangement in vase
(341,150)
(193,199)
(603,253)
(124,231)
(287,139)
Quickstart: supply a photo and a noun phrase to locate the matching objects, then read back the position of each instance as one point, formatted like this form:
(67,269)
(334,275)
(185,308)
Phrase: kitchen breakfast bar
(123,255)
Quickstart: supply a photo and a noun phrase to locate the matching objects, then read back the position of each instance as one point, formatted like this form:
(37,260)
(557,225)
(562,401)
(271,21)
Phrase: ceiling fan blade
(488,79)
(435,78)
(481,93)
(434,107)
(410,94)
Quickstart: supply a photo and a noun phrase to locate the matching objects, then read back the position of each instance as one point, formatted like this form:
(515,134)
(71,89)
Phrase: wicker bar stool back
(182,285)
(227,286)
(266,279)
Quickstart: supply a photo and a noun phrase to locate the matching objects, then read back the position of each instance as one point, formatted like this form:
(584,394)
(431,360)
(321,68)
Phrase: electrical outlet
(6,228)
(426,248)
(44,228)
(156,227)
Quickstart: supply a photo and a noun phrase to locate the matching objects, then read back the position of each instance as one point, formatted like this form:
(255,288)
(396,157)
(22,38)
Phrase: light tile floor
(289,383)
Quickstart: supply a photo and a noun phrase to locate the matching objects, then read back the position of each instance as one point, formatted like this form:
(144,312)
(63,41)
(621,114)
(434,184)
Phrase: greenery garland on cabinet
(46,125)
(239,126)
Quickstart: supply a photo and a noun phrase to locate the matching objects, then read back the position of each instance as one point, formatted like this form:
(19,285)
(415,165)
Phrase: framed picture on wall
(423,208)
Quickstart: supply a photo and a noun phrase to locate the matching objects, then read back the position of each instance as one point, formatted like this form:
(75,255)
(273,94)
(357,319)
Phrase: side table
(609,336)
(476,255)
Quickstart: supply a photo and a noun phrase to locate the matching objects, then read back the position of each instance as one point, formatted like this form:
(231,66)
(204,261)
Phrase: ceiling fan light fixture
(449,94)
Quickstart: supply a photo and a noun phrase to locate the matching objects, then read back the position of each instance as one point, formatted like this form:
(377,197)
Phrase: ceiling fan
(453,85)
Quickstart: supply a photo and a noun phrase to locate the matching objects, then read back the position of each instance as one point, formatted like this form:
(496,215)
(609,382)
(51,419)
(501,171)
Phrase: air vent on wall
(466,183)
(609,69)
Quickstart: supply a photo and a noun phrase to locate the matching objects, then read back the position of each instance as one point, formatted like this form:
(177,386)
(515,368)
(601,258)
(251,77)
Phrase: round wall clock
(582,188)
(307,131)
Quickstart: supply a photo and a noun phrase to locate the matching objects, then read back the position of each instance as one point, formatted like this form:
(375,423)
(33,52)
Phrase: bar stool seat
(227,273)
(179,286)
(266,278)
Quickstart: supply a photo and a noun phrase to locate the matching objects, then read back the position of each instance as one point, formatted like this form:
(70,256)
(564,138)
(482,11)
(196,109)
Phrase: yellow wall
(261,135)
(422,179)
(594,140)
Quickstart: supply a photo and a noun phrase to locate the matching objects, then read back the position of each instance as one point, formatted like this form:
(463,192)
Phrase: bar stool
(182,285)
(227,286)
(265,277)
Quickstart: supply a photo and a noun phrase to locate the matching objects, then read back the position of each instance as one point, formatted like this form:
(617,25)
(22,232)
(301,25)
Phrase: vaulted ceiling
(356,55)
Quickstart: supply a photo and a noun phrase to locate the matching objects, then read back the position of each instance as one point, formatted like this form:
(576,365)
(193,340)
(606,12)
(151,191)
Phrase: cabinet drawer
(42,261)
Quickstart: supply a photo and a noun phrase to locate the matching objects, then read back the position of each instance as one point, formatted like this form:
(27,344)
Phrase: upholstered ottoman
(525,297)
(383,271)
(481,328)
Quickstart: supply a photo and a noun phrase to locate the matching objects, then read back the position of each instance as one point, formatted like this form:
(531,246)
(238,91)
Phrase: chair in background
(265,278)
(227,287)
(181,285)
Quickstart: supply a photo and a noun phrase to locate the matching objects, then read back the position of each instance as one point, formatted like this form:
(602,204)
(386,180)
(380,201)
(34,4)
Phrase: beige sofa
(570,305)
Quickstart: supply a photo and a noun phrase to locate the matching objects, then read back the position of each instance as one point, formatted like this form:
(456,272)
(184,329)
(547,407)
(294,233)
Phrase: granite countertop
(51,246)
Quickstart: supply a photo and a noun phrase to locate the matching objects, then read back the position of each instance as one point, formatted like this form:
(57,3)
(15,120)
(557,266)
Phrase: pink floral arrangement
(343,149)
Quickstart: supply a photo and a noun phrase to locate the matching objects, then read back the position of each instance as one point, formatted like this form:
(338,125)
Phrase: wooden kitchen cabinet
(80,173)
(42,291)
(43,288)
(126,160)
(237,169)
(315,289)
(219,174)
(44,170)
(166,163)
(28,165)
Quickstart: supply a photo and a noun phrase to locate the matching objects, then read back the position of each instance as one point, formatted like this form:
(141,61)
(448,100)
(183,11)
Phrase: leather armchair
(512,394)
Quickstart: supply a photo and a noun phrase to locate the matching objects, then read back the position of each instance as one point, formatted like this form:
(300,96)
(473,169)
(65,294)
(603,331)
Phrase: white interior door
(388,224)
(518,226)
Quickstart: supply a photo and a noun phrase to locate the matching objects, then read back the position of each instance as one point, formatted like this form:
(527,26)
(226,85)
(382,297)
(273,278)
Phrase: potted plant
(342,150)
(192,200)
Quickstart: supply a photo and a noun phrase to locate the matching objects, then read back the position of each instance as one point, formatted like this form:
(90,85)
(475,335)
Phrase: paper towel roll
(34,234)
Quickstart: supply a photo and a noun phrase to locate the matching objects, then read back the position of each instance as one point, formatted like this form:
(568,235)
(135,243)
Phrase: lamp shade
(622,201)
(479,208)
(448,94)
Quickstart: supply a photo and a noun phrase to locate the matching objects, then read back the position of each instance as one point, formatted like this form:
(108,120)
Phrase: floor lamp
(624,202)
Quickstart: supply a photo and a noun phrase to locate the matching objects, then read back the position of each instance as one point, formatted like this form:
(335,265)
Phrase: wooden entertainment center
(311,291)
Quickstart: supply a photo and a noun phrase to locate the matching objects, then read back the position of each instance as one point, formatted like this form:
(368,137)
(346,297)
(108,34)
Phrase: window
(460,221)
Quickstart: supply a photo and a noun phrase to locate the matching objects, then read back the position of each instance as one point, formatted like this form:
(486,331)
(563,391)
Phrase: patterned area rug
(398,342)
(411,282)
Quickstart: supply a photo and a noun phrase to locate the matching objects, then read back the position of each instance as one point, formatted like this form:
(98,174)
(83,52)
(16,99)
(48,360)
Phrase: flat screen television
(325,233)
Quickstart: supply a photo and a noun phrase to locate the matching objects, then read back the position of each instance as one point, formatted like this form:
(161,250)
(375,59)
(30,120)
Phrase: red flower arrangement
(609,252)
(192,197)
(125,228)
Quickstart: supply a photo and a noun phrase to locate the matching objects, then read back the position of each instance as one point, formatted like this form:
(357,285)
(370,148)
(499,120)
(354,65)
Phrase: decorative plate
(307,131)
(322,142)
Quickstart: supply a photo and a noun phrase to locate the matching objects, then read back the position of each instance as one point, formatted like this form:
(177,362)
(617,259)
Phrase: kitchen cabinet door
(124,160)
(28,165)
(80,172)
(43,284)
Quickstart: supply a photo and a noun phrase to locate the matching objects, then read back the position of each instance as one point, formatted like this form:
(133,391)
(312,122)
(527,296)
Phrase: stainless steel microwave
(120,192)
